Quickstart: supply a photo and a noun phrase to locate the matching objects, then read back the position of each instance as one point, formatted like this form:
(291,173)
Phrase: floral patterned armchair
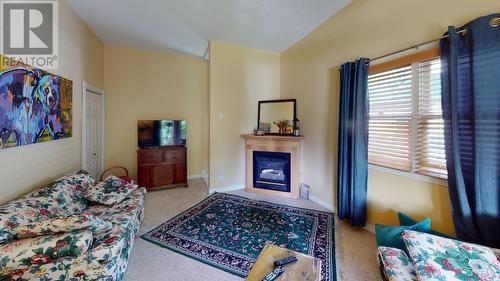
(89,254)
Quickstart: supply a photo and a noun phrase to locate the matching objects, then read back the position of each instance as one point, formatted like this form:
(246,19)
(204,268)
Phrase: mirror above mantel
(272,112)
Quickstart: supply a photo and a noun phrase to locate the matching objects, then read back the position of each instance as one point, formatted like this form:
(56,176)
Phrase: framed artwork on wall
(35,105)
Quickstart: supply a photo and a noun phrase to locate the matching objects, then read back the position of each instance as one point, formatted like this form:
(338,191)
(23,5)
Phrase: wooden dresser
(160,168)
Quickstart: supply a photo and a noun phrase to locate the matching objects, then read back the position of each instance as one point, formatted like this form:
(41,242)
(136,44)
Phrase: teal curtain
(353,142)
(471,112)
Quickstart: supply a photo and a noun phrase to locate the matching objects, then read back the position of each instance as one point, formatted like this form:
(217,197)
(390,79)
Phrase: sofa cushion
(121,215)
(441,259)
(110,191)
(67,191)
(26,210)
(58,225)
(44,249)
(396,265)
(114,247)
(125,216)
(80,178)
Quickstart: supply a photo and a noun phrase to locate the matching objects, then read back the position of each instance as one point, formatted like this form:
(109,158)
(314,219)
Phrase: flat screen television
(158,133)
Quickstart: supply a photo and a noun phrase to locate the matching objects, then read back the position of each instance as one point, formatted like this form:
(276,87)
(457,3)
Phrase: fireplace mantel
(273,143)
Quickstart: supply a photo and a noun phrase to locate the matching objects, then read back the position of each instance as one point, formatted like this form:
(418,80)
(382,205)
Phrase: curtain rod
(414,47)
(494,22)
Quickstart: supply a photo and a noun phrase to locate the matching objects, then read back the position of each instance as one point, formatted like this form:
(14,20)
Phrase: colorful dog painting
(35,106)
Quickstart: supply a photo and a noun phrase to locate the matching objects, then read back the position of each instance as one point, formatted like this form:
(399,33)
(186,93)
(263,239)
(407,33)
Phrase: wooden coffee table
(306,268)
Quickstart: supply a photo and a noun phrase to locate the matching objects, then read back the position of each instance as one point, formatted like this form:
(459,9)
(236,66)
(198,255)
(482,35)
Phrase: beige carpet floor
(355,248)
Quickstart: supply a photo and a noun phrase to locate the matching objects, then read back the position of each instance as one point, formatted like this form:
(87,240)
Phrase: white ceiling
(188,25)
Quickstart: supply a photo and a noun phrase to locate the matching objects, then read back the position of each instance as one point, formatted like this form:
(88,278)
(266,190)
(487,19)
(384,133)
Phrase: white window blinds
(431,158)
(390,105)
(405,122)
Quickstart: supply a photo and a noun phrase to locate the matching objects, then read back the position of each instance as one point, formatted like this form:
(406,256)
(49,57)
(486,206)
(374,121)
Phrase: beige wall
(239,78)
(25,168)
(309,72)
(154,85)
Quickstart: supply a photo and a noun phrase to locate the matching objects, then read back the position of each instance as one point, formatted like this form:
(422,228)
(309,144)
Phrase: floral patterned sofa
(78,255)
(436,258)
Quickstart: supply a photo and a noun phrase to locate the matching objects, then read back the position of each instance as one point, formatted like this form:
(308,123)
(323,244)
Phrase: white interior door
(93,133)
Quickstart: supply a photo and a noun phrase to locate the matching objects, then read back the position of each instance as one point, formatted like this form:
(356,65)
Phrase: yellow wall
(389,193)
(25,168)
(309,72)
(239,78)
(154,85)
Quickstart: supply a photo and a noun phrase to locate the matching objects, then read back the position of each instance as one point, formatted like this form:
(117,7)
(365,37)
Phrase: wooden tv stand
(164,167)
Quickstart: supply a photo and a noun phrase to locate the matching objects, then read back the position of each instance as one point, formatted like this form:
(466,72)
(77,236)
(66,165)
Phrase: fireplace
(272,165)
(271,170)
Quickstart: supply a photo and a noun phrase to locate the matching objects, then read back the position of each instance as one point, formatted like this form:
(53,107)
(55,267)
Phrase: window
(430,131)
(405,122)
(389,127)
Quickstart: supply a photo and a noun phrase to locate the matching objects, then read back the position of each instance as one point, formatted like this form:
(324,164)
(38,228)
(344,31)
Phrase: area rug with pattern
(228,232)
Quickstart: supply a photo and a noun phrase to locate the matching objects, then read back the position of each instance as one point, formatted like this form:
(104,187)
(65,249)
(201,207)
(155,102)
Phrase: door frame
(89,87)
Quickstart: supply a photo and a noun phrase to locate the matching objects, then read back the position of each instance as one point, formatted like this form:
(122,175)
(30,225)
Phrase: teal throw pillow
(404,219)
(390,236)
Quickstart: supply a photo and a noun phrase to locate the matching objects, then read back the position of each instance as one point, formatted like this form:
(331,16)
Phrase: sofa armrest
(43,249)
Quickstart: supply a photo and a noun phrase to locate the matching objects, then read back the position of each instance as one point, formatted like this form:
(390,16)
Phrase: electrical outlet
(220,174)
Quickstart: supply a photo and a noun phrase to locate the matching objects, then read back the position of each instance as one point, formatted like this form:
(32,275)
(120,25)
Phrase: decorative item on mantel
(282,125)
(296,127)
(259,132)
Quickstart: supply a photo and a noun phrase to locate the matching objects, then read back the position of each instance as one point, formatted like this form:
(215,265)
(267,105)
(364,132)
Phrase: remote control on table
(285,261)
(274,274)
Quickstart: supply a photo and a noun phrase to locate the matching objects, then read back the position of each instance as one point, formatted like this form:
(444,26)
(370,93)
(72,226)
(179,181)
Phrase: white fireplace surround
(271,143)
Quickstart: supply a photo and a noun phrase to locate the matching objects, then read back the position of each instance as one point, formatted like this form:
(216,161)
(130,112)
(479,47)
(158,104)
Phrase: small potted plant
(282,125)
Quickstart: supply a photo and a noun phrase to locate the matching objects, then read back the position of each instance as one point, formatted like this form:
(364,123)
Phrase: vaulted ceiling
(188,25)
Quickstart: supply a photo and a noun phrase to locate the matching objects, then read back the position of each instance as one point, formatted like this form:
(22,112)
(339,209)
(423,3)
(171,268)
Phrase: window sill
(414,176)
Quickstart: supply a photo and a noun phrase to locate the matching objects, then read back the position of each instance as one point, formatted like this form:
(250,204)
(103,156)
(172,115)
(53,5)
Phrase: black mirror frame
(276,101)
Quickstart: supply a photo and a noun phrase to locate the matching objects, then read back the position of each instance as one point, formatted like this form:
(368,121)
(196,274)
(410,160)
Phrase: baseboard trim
(198,176)
(370,228)
(321,202)
(206,180)
(226,188)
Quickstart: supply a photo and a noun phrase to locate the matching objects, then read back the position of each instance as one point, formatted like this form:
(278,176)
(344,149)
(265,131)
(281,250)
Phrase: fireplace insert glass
(271,170)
